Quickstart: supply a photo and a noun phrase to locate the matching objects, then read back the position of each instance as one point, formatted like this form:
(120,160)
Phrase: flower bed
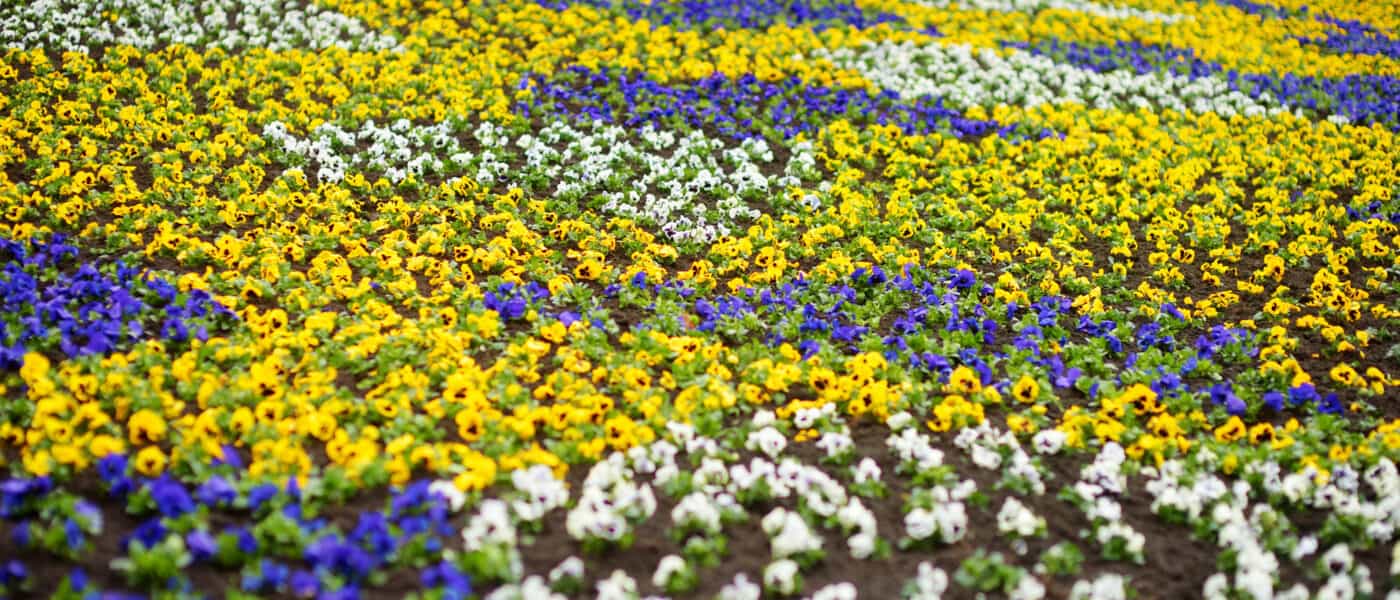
(827,299)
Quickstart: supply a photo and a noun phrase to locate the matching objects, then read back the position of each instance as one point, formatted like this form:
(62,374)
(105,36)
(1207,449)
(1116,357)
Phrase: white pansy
(919,524)
(538,492)
(764,418)
(855,516)
(1337,559)
(1383,478)
(1337,587)
(1217,587)
(609,502)
(570,568)
(1015,518)
(490,525)
(782,577)
(899,421)
(740,589)
(1255,582)
(910,446)
(929,583)
(1132,541)
(985,457)
(620,586)
(789,534)
(862,545)
(805,418)
(697,512)
(835,443)
(866,470)
(952,521)
(767,440)
(1048,441)
(670,566)
(1105,508)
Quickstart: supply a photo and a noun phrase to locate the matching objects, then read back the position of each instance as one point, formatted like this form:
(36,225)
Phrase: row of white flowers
(1261,538)
(1088,7)
(691,186)
(964,76)
(231,24)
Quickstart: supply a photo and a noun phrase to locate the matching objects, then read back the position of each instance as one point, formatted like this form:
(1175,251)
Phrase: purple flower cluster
(1375,210)
(1354,37)
(511,301)
(723,14)
(49,299)
(285,551)
(739,108)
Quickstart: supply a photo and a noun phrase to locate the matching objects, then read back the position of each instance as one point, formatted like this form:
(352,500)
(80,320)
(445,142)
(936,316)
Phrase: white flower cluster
(1098,9)
(1109,586)
(1100,482)
(610,502)
(1188,500)
(1015,519)
(691,186)
(397,150)
(1104,475)
(867,471)
(741,589)
(537,491)
(914,450)
(783,577)
(697,512)
(231,24)
(816,489)
(943,520)
(987,446)
(1049,441)
(491,525)
(618,586)
(1210,501)
(671,566)
(928,584)
(1255,564)
(767,440)
(789,535)
(965,76)
(860,523)
(836,444)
